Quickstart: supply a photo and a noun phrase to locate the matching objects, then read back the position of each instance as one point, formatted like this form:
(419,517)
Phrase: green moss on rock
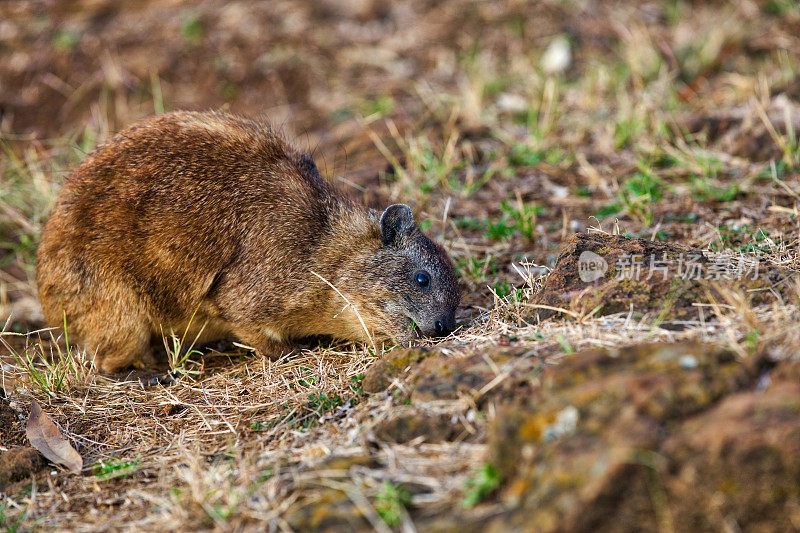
(394,364)
(659,434)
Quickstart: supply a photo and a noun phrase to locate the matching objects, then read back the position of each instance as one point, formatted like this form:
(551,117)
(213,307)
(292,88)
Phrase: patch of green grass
(499,230)
(115,468)
(427,167)
(662,235)
(743,239)
(643,185)
(639,193)
(625,130)
(704,191)
(565,345)
(305,381)
(687,218)
(8,521)
(27,193)
(609,210)
(378,106)
(522,155)
(65,41)
(662,160)
(391,503)
(503,289)
(780,8)
(308,415)
(480,485)
(323,403)
(437,169)
(21,247)
(751,339)
(179,354)
(477,176)
(476,268)
(523,217)
(517,218)
(709,164)
(51,368)
(426,164)
(355,384)
(192,30)
(469,223)
(776,169)
(220,511)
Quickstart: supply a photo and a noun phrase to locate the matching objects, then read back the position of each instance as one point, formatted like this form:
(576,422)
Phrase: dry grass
(247,439)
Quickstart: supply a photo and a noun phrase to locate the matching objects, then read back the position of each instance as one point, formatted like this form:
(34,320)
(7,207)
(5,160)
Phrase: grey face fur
(423,276)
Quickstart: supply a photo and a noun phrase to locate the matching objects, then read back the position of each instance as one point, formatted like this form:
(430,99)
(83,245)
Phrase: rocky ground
(617,185)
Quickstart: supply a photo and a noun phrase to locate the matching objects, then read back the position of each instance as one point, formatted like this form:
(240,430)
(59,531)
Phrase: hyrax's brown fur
(214,216)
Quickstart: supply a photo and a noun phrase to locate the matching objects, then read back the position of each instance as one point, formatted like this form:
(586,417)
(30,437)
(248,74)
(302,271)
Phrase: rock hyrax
(210,220)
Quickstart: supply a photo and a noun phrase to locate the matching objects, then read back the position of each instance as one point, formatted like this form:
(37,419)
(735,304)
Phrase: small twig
(363,325)
(573,314)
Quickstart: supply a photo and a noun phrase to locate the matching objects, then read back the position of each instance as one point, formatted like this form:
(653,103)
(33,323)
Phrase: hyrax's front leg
(263,344)
(123,350)
(116,338)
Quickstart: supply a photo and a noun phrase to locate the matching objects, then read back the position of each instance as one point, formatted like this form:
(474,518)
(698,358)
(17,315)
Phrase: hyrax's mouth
(415,331)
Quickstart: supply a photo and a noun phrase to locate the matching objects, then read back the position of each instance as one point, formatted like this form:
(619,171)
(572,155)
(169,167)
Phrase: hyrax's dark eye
(422,278)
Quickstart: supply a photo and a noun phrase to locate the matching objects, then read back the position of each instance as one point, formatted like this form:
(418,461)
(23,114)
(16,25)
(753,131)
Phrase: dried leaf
(46,437)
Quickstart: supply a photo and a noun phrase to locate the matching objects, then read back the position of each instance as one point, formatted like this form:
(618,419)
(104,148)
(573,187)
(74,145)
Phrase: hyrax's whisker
(355,310)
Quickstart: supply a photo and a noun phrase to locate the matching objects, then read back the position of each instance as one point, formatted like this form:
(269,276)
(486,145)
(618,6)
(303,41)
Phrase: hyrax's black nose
(442,328)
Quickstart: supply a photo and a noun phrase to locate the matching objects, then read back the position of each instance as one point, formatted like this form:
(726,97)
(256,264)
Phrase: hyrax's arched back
(214,216)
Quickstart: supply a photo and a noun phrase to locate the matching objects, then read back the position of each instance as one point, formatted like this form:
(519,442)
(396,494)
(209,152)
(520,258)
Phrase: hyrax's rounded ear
(397,222)
(309,170)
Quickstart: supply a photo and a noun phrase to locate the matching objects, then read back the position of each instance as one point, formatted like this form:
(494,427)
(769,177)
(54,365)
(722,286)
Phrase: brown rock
(679,277)
(448,378)
(451,386)
(326,510)
(18,463)
(322,508)
(409,426)
(9,423)
(393,365)
(663,436)
(745,455)
(346,462)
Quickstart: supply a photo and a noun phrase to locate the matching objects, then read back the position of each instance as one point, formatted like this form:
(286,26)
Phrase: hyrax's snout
(441,326)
